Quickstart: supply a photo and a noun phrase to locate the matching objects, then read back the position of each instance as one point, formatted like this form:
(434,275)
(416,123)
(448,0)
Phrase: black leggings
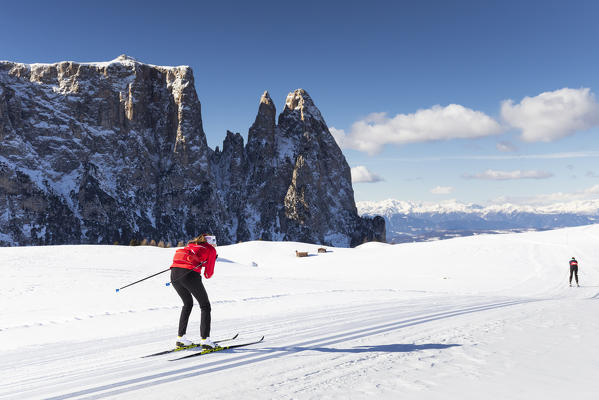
(574,270)
(188,283)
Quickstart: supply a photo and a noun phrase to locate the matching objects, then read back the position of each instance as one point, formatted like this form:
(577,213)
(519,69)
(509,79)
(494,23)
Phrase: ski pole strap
(184,275)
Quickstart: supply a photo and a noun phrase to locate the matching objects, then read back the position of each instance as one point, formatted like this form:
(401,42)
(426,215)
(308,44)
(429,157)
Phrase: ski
(219,348)
(191,346)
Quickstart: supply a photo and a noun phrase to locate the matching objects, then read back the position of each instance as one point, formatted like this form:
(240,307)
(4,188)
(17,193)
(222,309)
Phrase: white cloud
(548,156)
(339,136)
(588,194)
(361,174)
(442,190)
(506,147)
(437,123)
(505,175)
(552,115)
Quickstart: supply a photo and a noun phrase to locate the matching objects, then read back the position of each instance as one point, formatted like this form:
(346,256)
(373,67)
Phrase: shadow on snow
(386,348)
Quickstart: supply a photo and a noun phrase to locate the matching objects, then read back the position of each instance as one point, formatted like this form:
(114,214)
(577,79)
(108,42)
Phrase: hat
(210,239)
(204,238)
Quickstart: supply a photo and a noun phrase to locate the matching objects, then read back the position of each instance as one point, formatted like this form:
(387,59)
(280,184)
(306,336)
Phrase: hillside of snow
(482,317)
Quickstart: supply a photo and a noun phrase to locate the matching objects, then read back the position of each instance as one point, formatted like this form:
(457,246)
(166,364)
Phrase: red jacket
(193,255)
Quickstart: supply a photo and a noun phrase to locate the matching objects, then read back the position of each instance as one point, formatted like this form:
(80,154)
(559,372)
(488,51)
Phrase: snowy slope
(487,317)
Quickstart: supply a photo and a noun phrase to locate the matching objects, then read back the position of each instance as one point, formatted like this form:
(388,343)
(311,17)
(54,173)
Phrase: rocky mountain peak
(299,101)
(296,99)
(266,110)
(265,99)
(124,57)
(113,151)
(262,132)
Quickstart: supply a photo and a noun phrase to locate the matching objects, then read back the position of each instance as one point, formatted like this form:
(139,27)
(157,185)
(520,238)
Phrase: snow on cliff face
(101,152)
(111,151)
(295,179)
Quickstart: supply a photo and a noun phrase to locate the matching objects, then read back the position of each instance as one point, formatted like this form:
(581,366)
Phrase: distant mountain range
(411,221)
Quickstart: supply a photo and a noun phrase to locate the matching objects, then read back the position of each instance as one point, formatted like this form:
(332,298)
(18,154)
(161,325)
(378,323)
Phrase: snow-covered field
(484,317)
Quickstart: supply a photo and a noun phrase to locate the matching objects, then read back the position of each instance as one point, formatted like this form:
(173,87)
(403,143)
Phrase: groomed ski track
(483,317)
(112,367)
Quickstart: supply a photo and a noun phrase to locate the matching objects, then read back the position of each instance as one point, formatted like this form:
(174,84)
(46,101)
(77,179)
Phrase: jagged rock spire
(265,99)
(261,136)
(299,100)
(265,120)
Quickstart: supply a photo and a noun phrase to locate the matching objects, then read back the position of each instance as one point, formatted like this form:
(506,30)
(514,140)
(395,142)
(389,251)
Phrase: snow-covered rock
(114,151)
(294,180)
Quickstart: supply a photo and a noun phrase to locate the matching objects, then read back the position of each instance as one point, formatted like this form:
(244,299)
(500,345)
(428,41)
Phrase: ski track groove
(151,337)
(344,330)
(348,317)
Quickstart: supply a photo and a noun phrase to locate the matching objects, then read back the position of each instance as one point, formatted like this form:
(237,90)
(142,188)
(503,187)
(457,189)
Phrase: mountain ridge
(391,206)
(408,221)
(112,151)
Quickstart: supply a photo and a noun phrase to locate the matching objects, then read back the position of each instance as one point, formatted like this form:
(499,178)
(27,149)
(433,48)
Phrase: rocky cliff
(105,152)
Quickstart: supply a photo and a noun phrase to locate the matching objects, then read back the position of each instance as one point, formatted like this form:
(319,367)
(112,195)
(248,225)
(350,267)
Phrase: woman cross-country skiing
(574,270)
(186,278)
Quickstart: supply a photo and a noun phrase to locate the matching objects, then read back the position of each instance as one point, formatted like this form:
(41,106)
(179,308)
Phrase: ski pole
(147,277)
(185,274)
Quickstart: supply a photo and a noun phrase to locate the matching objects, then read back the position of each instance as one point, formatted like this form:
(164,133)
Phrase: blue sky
(479,101)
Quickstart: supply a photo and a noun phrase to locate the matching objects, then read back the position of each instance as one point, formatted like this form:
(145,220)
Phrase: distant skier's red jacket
(193,255)
(573,263)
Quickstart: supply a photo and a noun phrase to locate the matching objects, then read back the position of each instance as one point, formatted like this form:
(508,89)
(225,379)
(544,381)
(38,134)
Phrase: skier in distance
(574,270)
(186,278)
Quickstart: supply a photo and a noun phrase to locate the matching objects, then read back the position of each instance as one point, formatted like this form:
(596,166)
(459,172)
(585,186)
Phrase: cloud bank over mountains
(547,117)
(507,175)
(586,195)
